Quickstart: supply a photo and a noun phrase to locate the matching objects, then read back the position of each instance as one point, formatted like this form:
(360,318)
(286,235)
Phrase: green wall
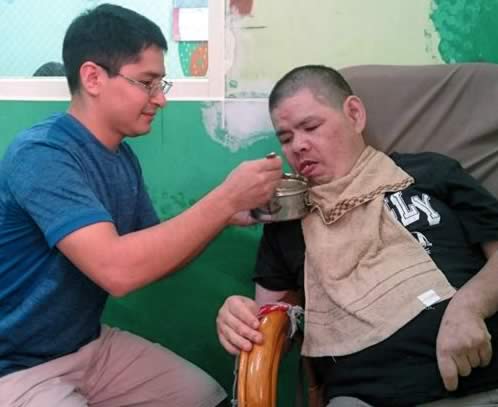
(181,163)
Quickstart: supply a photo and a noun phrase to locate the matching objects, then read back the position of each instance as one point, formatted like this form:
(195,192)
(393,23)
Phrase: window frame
(211,87)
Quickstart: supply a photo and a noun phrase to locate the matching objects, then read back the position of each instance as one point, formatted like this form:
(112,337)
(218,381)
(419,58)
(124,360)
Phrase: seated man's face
(320,142)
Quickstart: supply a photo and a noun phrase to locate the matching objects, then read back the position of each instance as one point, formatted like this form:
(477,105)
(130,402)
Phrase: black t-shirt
(450,214)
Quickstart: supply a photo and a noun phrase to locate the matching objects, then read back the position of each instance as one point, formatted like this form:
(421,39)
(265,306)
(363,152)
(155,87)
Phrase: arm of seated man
(463,341)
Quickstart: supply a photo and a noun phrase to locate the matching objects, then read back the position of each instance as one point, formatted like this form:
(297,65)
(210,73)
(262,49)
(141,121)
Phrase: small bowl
(289,201)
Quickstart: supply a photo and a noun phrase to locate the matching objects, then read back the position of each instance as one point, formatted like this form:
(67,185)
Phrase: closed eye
(311,128)
(284,138)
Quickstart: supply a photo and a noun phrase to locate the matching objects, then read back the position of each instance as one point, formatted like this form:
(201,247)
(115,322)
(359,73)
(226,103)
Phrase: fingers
(228,346)
(485,353)
(449,372)
(452,366)
(473,360)
(260,216)
(463,365)
(270,163)
(252,183)
(237,324)
(243,218)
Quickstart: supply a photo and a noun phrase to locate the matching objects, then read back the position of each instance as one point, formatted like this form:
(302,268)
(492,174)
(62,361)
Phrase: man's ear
(354,110)
(92,77)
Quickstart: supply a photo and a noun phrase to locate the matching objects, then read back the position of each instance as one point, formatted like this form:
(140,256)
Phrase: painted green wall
(181,162)
(468,30)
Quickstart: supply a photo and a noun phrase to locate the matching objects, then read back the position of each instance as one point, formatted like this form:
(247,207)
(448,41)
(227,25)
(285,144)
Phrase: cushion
(450,109)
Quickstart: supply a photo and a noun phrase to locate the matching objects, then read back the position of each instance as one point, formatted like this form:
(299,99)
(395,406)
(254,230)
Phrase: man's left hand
(463,342)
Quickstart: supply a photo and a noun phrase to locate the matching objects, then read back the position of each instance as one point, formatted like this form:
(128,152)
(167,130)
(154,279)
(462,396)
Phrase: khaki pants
(118,369)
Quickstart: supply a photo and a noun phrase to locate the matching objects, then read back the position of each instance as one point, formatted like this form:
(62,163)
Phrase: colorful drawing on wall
(467,29)
(190,29)
(193,58)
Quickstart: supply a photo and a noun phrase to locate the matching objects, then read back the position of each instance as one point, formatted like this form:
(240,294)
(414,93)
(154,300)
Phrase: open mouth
(306,167)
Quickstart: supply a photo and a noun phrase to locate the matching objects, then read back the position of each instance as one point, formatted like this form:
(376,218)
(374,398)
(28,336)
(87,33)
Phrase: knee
(204,391)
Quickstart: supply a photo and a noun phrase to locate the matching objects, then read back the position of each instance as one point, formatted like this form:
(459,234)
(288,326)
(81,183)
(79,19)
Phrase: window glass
(32,33)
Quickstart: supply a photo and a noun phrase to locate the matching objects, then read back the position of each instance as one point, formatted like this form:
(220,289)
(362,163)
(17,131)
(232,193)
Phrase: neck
(91,118)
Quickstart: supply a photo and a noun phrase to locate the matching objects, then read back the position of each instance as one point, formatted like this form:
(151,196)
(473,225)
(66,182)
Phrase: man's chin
(142,130)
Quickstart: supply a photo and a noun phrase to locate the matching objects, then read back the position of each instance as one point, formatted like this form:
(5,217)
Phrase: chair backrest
(451,109)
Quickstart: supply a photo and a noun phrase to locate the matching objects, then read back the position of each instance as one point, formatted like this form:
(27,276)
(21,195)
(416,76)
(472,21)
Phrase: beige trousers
(116,370)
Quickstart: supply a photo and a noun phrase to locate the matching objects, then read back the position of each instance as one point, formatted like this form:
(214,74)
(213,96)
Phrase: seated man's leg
(347,402)
(129,370)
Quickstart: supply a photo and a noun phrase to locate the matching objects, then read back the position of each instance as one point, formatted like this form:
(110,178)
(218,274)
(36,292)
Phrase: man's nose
(300,143)
(159,99)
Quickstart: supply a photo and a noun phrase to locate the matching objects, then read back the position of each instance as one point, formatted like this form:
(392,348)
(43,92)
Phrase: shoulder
(43,136)
(426,164)
(423,160)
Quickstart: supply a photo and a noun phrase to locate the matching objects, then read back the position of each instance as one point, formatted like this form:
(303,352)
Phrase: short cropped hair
(108,35)
(324,82)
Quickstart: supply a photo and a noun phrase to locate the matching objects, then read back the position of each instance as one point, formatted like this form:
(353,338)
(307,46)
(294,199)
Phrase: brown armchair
(450,109)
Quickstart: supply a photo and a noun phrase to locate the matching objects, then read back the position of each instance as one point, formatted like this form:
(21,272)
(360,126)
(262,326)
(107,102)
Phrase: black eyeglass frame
(151,89)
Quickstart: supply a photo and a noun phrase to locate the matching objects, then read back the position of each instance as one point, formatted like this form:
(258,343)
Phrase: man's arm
(121,264)
(463,341)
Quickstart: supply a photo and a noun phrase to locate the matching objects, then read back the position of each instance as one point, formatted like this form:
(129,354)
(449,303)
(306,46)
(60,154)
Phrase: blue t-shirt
(55,178)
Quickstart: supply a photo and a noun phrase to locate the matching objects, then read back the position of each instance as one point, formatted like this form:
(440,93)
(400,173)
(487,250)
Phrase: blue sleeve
(146,215)
(49,184)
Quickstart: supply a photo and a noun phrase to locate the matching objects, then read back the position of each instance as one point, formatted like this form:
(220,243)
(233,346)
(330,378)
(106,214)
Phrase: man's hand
(463,342)
(252,183)
(237,324)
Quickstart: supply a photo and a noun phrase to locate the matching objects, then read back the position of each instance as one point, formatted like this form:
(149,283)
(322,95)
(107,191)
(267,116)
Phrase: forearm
(121,264)
(157,251)
(480,293)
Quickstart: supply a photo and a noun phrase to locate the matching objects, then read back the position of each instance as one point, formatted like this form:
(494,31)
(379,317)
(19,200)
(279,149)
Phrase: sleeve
(280,258)
(146,215)
(476,207)
(48,184)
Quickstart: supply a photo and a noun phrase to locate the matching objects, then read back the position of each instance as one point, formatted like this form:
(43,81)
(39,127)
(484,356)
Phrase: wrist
(224,203)
(466,299)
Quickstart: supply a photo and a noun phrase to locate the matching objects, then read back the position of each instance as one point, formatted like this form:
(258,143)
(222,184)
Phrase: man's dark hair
(324,82)
(110,36)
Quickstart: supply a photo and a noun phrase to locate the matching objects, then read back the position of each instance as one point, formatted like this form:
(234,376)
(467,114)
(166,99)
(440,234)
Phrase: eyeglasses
(151,88)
